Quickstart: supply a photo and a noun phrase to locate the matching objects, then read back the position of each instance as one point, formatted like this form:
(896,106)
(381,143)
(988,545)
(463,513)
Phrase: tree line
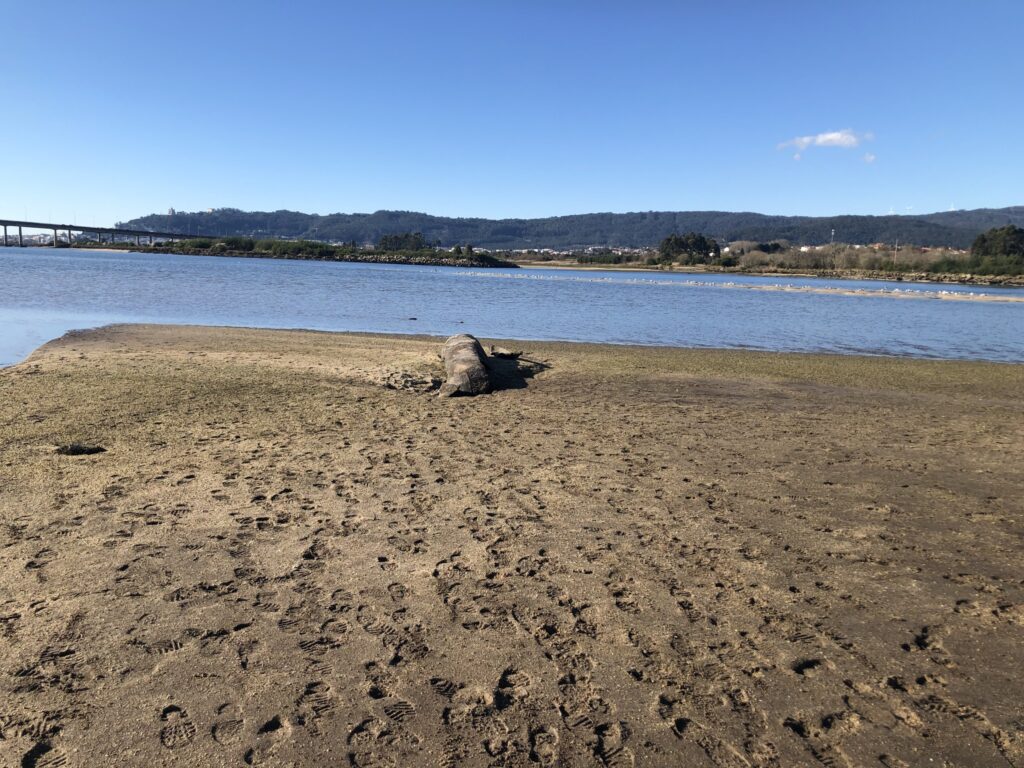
(640,230)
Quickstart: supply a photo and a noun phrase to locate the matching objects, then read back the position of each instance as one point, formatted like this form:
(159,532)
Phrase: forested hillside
(955,229)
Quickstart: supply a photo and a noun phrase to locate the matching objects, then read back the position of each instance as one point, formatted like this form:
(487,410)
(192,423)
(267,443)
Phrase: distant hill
(953,228)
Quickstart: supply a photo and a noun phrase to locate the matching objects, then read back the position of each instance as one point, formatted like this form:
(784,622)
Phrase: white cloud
(844,139)
(869,157)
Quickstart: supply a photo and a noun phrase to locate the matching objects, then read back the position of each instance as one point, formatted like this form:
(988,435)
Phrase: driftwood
(466,366)
(506,354)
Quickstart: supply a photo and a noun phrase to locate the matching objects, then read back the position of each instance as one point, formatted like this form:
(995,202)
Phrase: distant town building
(170,211)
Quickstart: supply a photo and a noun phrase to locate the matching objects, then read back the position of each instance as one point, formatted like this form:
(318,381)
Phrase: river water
(45,293)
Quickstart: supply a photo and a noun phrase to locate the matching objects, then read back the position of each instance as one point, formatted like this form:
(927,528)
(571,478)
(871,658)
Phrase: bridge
(59,229)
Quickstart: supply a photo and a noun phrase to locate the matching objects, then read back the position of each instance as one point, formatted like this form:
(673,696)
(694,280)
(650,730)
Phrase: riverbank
(1009,281)
(291,552)
(932,292)
(323,252)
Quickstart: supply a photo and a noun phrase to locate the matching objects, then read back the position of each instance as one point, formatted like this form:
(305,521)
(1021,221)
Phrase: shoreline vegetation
(281,548)
(996,258)
(402,252)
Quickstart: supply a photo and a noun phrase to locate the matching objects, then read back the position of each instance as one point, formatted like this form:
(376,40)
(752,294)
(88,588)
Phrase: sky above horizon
(114,110)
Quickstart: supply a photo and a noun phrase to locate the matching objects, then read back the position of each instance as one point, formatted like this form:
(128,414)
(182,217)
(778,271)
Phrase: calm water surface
(44,293)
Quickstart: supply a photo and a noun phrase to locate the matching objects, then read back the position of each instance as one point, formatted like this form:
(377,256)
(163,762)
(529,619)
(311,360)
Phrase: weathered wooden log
(466,366)
(506,354)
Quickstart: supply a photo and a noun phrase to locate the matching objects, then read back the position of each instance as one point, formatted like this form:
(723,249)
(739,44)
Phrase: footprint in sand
(400,711)
(228,727)
(376,743)
(163,647)
(316,699)
(398,591)
(544,743)
(178,730)
(512,688)
(444,687)
(268,737)
(610,748)
(45,755)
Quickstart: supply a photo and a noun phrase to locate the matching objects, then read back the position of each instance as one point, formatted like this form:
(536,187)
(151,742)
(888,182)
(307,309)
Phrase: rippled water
(44,293)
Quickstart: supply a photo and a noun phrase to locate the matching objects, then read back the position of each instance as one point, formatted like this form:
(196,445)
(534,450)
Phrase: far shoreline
(928,278)
(370,257)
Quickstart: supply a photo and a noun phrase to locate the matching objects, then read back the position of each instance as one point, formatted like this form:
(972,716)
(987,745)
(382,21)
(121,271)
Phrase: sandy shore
(913,291)
(292,553)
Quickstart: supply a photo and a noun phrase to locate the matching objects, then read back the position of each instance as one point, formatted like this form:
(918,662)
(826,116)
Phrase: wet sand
(913,291)
(292,553)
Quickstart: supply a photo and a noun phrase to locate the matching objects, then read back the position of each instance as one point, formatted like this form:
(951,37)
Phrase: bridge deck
(98,230)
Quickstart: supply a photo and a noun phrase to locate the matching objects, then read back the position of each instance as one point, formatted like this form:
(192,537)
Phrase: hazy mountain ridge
(949,228)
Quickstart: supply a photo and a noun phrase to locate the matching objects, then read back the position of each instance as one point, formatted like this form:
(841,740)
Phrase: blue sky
(506,109)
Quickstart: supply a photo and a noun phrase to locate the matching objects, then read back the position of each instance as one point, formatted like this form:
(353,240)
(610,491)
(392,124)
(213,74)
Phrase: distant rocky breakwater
(366,257)
(1010,281)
